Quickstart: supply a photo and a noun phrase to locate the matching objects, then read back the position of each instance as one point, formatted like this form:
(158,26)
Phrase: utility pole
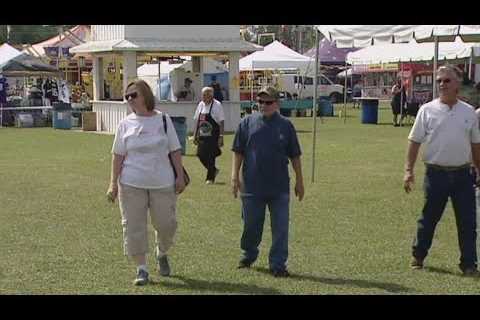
(300,38)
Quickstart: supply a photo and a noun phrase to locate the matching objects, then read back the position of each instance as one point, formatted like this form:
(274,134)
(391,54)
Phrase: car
(302,87)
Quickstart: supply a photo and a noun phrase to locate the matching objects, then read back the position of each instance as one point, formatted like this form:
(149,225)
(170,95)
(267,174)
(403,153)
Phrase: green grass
(351,234)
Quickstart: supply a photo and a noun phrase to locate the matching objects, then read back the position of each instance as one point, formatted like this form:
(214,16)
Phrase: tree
(23,34)
(289,35)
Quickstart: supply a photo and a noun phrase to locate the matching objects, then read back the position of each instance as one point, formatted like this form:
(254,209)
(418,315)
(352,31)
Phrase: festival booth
(359,36)
(175,71)
(134,45)
(381,65)
(268,67)
(22,86)
(76,69)
(56,51)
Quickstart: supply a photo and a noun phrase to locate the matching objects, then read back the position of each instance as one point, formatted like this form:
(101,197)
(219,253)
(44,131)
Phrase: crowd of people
(147,154)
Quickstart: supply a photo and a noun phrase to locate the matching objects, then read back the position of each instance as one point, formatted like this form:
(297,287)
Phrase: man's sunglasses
(443,80)
(268,103)
(132,95)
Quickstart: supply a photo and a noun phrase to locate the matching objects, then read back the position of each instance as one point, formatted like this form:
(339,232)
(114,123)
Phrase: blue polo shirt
(266,145)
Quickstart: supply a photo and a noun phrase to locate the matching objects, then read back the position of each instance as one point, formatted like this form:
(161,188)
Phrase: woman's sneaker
(163,266)
(142,278)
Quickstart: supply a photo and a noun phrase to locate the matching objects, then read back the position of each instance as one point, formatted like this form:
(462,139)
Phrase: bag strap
(211,107)
(164,123)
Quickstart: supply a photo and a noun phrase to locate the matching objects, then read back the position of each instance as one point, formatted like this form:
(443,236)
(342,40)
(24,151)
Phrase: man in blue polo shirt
(263,144)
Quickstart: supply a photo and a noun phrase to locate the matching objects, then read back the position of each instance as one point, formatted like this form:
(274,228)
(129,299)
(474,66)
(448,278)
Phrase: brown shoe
(416,264)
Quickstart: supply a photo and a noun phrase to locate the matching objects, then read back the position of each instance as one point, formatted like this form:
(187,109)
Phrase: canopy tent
(412,52)
(366,35)
(173,75)
(26,65)
(7,52)
(275,56)
(349,36)
(348,72)
(328,52)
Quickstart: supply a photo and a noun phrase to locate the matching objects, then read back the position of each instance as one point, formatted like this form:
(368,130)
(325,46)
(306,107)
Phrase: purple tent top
(329,53)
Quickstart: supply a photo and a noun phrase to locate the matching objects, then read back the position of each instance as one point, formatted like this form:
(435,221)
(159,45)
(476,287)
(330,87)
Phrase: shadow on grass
(440,270)
(217,286)
(390,287)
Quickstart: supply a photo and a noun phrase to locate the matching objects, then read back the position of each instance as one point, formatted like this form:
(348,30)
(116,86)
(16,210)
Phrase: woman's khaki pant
(135,203)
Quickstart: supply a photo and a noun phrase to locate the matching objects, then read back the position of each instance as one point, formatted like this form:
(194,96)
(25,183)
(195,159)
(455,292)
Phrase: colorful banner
(381,67)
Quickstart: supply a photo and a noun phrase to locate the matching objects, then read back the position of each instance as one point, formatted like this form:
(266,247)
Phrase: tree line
(28,34)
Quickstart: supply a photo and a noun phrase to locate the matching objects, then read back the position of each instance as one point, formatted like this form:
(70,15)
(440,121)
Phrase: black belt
(448,168)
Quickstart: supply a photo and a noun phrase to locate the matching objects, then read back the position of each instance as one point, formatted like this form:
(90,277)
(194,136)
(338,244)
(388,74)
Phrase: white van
(302,87)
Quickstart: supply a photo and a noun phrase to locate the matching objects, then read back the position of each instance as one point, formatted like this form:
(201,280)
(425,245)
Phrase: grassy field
(351,234)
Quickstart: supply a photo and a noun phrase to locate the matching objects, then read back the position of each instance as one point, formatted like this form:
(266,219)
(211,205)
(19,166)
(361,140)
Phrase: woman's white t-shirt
(143,142)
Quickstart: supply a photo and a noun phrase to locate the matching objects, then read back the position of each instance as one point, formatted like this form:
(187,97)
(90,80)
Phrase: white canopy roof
(365,35)
(167,45)
(7,52)
(411,52)
(276,56)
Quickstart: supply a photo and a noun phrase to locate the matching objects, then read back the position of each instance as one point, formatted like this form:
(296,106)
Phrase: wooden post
(435,62)
(234,76)
(97,78)
(129,68)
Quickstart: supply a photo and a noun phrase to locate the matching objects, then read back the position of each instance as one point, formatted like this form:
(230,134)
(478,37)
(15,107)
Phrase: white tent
(366,35)
(275,56)
(7,52)
(347,36)
(173,75)
(412,52)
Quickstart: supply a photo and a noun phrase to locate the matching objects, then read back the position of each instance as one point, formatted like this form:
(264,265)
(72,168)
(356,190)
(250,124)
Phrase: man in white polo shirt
(449,129)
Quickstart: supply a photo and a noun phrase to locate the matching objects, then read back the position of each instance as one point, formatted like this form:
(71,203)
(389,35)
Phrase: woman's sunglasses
(132,95)
(268,103)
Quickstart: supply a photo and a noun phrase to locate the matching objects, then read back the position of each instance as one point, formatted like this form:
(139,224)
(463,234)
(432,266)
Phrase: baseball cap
(269,91)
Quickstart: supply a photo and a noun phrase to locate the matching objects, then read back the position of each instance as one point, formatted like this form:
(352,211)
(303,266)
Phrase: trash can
(285,112)
(180,124)
(325,107)
(370,111)
(62,115)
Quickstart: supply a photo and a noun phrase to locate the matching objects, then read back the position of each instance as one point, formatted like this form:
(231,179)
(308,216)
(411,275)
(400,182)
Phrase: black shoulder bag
(186,177)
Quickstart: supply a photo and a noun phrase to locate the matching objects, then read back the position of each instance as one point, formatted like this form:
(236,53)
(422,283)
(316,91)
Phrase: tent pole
(315,88)
(435,62)
(251,87)
(401,93)
(159,80)
(470,65)
(345,95)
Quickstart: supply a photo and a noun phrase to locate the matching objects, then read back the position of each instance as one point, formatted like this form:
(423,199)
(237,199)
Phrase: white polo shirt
(143,142)
(447,133)
(217,111)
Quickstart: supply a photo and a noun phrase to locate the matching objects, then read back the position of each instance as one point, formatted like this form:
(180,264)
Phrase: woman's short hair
(145,91)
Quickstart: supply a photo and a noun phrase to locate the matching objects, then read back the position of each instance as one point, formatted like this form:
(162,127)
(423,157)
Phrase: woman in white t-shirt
(143,178)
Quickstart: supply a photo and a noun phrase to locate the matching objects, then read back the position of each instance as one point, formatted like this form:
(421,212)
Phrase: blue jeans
(253,215)
(439,185)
